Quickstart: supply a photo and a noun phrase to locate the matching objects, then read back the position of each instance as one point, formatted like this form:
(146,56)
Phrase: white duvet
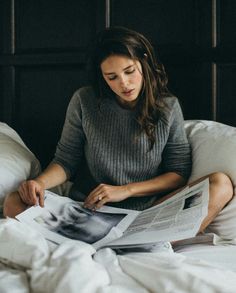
(29,264)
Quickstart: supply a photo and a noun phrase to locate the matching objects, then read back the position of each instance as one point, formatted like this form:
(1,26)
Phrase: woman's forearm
(105,193)
(161,184)
(52,176)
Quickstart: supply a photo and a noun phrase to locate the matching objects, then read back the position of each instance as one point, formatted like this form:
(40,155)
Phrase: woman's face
(124,77)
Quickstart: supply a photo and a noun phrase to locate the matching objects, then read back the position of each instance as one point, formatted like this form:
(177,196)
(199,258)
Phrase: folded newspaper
(176,218)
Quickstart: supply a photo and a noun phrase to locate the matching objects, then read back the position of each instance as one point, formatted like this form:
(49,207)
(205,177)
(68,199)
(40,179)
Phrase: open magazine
(176,218)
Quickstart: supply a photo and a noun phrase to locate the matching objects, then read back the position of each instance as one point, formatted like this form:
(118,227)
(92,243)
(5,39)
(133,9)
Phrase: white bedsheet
(29,264)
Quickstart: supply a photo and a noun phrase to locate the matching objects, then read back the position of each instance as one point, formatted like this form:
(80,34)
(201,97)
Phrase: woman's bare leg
(13,205)
(220,193)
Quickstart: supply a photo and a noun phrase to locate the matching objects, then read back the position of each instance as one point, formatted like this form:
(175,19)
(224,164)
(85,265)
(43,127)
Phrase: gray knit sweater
(101,143)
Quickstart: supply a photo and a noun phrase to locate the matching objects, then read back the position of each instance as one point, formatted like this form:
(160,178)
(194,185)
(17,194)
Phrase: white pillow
(17,162)
(214,149)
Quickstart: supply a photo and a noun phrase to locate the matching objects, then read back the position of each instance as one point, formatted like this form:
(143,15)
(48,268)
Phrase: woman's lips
(128,93)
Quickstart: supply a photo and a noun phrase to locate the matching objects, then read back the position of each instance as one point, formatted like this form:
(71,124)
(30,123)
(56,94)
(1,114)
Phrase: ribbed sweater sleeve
(176,155)
(70,148)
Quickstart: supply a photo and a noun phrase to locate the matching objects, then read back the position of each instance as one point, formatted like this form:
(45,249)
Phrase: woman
(123,139)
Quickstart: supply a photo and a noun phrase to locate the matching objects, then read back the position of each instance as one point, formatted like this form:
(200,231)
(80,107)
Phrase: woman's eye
(130,71)
(112,77)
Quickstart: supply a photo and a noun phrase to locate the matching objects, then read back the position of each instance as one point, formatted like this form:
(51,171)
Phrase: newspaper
(176,218)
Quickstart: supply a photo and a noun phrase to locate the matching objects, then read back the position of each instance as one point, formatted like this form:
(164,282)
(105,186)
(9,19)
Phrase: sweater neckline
(114,106)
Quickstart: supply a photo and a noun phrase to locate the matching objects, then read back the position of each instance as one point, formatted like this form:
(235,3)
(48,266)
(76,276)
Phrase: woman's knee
(13,205)
(223,184)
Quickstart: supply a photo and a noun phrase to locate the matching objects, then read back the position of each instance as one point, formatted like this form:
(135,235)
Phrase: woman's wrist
(163,183)
(52,176)
(41,182)
(133,189)
(144,188)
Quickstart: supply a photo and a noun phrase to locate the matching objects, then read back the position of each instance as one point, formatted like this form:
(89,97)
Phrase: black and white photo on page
(63,218)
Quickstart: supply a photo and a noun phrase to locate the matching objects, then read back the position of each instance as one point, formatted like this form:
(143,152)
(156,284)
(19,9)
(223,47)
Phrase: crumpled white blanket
(29,264)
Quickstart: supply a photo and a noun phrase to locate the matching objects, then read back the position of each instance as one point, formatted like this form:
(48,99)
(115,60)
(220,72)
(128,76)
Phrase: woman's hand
(104,193)
(32,192)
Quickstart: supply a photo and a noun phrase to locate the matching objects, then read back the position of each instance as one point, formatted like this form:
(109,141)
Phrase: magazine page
(62,219)
(177,218)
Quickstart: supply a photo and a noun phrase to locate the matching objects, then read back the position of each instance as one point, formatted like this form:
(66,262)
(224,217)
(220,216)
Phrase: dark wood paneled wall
(43,48)
(42,62)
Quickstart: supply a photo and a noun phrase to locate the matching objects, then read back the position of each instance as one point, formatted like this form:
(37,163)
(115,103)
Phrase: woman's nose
(123,81)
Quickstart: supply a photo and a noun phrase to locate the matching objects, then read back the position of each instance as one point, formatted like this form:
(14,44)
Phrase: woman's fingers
(96,202)
(105,193)
(31,193)
(100,203)
(23,191)
(94,197)
(91,201)
(41,199)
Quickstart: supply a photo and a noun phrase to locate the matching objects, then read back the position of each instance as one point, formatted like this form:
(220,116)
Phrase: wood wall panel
(227,23)
(1,27)
(191,83)
(43,47)
(42,96)
(5,26)
(226,106)
(165,22)
(54,25)
(7,94)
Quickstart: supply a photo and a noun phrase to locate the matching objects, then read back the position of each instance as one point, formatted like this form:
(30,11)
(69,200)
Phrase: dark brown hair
(126,42)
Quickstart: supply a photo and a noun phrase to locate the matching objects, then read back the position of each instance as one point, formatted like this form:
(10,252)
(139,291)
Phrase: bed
(29,263)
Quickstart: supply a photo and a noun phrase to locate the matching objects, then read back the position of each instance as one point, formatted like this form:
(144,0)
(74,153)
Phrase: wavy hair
(129,43)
